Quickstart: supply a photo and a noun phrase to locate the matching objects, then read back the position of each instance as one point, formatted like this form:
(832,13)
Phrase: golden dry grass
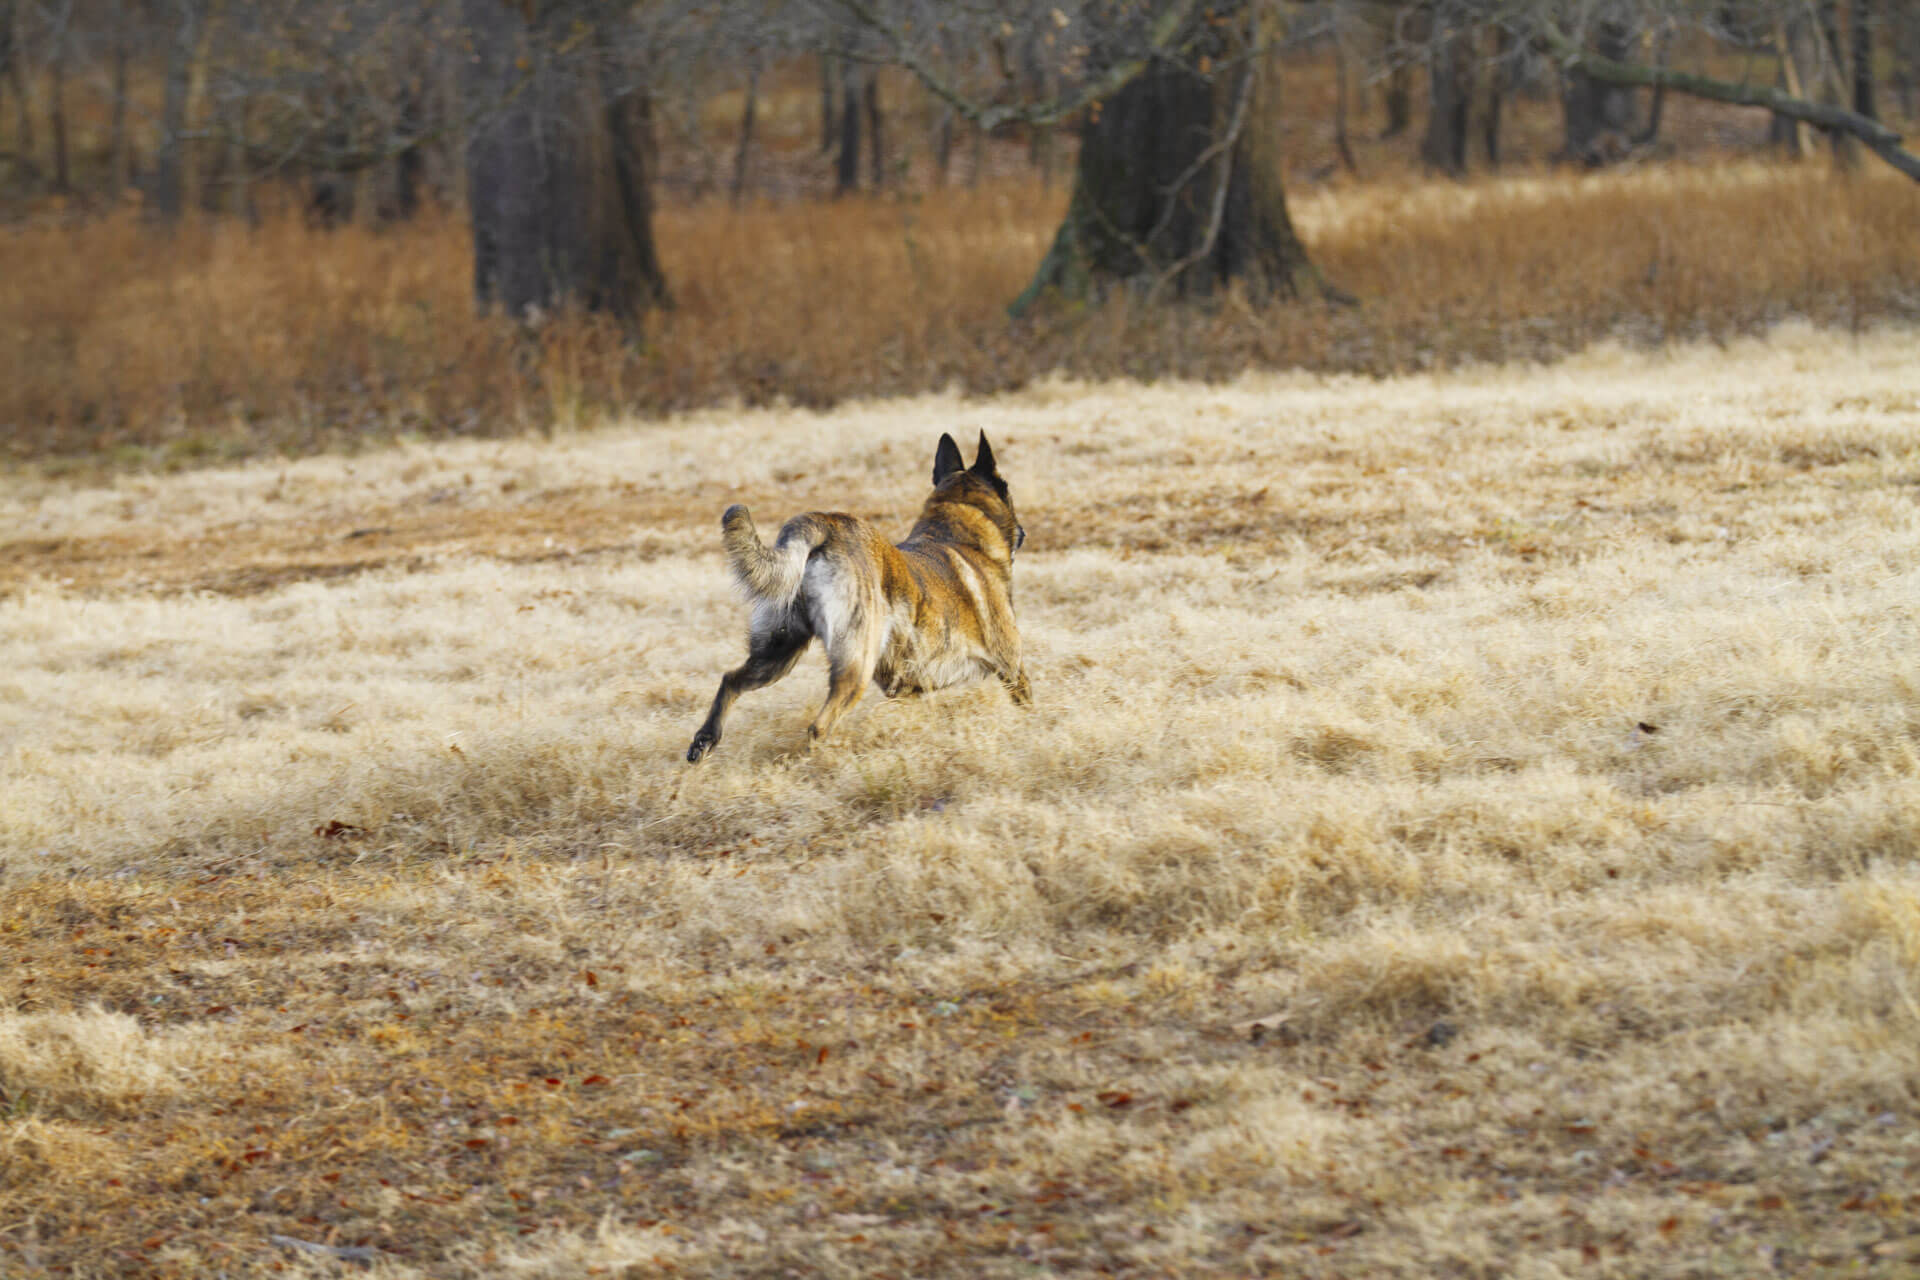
(128,348)
(1468,827)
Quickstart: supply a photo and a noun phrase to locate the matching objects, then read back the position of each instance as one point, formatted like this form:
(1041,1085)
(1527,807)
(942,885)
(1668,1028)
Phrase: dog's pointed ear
(947,459)
(983,460)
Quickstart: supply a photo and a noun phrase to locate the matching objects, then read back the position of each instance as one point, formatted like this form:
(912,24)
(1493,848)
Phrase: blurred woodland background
(232,227)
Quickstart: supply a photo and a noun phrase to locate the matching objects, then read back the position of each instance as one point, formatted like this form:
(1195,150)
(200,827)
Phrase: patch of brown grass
(221,341)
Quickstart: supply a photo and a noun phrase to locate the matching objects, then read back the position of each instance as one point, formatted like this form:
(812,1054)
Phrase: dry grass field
(1468,827)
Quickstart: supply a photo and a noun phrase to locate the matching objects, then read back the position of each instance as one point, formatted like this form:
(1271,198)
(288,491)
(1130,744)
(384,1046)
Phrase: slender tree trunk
(876,133)
(1449,95)
(57,99)
(1342,145)
(409,167)
(120,162)
(13,64)
(169,192)
(942,145)
(1860,25)
(829,117)
(1497,76)
(1792,136)
(846,174)
(239,187)
(1399,101)
(1178,189)
(977,166)
(1833,79)
(1657,106)
(737,192)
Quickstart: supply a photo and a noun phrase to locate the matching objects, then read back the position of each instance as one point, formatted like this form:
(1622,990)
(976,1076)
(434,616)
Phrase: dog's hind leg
(771,654)
(852,655)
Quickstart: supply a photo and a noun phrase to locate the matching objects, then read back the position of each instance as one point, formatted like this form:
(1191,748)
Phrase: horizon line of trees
(541,116)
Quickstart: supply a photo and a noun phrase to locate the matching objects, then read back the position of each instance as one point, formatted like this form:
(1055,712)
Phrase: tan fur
(934,611)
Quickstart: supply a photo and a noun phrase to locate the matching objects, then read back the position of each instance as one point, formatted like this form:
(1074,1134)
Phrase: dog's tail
(769,575)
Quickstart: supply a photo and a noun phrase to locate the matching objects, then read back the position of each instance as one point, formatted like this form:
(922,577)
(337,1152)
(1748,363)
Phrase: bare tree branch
(1883,141)
(1161,38)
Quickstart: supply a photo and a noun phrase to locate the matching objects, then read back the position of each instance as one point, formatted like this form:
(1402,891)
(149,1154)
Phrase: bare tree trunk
(846,175)
(1497,76)
(13,65)
(1178,188)
(169,193)
(829,117)
(120,151)
(1449,95)
(1399,101)
(977,168)
(1833,80)
(57,98)
(1597,116)
(1860,31)
(1792,136)
(738,190)
(1342,146)
(239,190)
(876,135)
(409,167)
(1657,107)
(1905,21)
(942,145)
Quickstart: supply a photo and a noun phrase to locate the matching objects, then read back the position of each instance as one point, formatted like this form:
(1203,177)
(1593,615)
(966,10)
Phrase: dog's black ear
(983,460)
(947,459)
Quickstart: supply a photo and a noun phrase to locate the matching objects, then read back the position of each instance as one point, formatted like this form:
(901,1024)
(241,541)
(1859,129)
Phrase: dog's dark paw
(703,742)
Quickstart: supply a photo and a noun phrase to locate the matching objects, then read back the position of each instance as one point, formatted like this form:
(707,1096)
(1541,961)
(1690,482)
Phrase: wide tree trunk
(1450,67)
(1598,116)
(1178,192)
(557,172)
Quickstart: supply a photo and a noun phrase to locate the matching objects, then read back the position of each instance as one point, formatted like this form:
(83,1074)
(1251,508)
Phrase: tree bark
(1342,144)
(1860,33)
(119,149)
(828,117)
(876,133)
(1597,115)
(57,99)
(13,69)
(846,172)
(557,173)
(1497,76)
(737,191)
(169,188)
(1399,101)
(1178,188)
(1449,95)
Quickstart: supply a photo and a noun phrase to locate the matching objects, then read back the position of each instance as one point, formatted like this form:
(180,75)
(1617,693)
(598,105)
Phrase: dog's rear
(769,576)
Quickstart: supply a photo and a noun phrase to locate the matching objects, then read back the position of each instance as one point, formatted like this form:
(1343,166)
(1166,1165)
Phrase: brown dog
(934,611)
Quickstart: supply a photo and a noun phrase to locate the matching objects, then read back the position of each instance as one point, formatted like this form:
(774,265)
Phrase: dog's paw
(703,742)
